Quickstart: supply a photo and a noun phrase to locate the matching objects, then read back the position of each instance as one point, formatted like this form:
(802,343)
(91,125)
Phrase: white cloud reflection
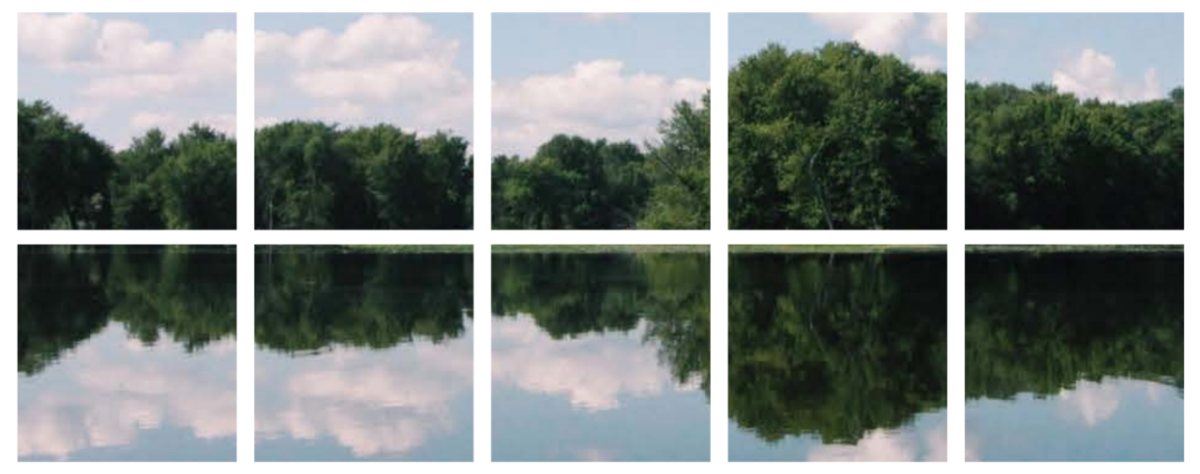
(110,389)
(375,403)
(888,445)
(592,371)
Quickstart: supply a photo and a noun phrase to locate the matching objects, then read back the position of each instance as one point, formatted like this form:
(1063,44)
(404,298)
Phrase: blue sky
(122,74)
(612,75)
(1114,56)
(917,38)
(413,71)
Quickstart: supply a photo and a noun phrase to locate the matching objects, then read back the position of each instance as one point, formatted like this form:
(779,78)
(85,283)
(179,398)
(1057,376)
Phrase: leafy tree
(835,346)
(62,172)
(310,175)
(575,183)
(1041,159)
(836,138)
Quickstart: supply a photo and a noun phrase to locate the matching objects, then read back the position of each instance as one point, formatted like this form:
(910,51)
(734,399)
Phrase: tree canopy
(836,138)
(311,175)
(575,183)
(1040,323)
(71,180)
(309,300)
(835,346)
(1041,159)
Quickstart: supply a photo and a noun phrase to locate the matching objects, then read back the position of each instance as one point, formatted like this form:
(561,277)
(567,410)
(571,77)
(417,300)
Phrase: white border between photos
(955,238)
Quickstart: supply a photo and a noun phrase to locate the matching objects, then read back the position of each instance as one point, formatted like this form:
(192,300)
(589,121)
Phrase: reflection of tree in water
(1042,323)
(308,299)
(835,346)
(569,295)
(68,294)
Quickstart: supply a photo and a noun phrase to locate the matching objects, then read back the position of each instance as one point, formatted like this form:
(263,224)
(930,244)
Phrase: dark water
(363,356)
(837,357)
(600,357)
(126,354)
(1074,357)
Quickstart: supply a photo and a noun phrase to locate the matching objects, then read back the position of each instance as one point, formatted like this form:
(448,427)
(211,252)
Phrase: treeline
(68,179)
(836,138)
(1041,159)
(311,175)
(576,183)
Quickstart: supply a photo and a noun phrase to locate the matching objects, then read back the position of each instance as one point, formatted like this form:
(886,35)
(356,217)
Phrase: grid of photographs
(714,237)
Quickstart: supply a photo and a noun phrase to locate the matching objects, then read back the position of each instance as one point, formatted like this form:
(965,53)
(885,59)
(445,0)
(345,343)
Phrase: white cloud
(1090,402)
(378,63)
(172,124)
(56,39)
(590,371)
(1095,75)
(935,28)
(879,32)
(926,62)
(117,390)
(594,99)
(973,26)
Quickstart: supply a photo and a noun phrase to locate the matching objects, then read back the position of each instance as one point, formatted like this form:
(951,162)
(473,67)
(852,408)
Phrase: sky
(611,75)
(121,74)
(413,71)
(917,38)
(1115,57)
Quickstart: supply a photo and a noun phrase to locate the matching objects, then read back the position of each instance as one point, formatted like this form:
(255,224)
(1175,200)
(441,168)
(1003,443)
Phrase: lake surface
(837,357)
(363,356)
(1074,357)
(600,357)
(126,354)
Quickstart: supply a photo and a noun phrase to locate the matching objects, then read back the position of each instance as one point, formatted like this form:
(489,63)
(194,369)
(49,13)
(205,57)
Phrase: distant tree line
(68,179)
(312,175)
(1041,159)
(836,138)
(576,183)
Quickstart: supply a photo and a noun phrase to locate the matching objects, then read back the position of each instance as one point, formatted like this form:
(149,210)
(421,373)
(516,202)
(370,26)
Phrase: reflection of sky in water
(592,397)
(924,439)
(410,402)
(1115,419)
(113,398)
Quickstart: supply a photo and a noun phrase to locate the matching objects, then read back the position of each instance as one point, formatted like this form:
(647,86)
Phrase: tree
(679,167)
(1041,159)
(836,138)
(62,172)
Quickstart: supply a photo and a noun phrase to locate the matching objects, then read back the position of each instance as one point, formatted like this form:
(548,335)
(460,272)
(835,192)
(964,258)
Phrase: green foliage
(1040,159)
(310,175)
(835,345)
(568,295)
(309,300)
(66,295)
(68,179)
(1039,323)
(837,138)
(576,183)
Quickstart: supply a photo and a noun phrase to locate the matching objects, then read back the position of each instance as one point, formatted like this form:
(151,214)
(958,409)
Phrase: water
(1074,357)
(126,354)
(363,357)
(600,357)
(837,357)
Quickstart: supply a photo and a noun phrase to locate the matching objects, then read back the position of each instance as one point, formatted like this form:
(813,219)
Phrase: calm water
(837,357)
(600,357)
(126,354)
(363,357)
(1074,357)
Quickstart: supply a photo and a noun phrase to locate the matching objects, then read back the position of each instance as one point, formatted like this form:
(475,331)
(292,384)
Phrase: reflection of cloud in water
(118,387)
(591,370)
(887,445)
(1089,402)
(372,402)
